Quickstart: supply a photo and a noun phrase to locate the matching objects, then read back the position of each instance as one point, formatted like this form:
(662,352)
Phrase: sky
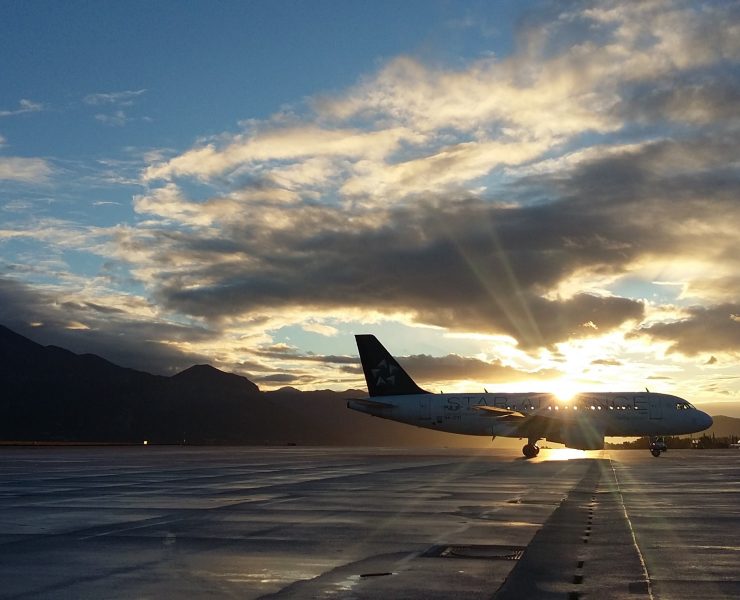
(517,196)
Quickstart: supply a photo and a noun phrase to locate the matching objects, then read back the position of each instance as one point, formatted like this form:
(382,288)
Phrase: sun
(564,389)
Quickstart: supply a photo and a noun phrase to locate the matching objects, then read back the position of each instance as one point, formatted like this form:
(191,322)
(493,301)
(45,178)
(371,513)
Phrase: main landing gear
(531,449)
(657,445)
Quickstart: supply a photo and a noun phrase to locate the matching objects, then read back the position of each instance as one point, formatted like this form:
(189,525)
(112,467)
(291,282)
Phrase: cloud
(472,198)
(117,119)
(55,316)
(461,262)
(516,196)
(123,98)
(694,98)
(607,362)
(280,144)
(24,106)
(117,102)
(452,367)
(169,203)
(25,170)
(705,329)
(423,368)
(467,264)
(412,128)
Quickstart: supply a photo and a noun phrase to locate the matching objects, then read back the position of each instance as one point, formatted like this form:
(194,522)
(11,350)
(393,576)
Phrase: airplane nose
(704,421)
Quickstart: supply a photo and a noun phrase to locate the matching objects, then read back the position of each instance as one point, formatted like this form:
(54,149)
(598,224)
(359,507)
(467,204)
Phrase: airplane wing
(583,435)
(501,412)
(574,434)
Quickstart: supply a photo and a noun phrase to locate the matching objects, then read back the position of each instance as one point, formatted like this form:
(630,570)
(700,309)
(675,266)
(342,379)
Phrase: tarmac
(284,523)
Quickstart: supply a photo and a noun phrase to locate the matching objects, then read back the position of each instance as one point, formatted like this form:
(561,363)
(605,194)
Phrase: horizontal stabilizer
(370,403)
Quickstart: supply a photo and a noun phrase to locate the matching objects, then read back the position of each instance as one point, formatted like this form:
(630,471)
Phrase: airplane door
(425,408)
(655,408)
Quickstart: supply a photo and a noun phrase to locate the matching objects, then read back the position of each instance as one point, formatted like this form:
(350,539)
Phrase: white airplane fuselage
(581,422)
(610,413)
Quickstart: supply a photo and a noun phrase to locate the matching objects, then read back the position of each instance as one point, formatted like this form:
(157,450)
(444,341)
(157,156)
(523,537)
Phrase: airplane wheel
(530,450)
(655,452)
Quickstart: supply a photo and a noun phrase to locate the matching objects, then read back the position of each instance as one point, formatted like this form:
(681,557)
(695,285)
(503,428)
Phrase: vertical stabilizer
(384,376)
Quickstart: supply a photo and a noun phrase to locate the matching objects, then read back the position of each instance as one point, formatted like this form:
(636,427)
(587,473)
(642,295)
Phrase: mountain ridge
(51,394)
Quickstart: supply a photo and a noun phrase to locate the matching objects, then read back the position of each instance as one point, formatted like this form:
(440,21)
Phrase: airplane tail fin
(384,376)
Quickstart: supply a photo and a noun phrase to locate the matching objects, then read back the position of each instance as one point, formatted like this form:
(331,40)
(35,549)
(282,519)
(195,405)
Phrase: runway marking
(632,533)
(615,565)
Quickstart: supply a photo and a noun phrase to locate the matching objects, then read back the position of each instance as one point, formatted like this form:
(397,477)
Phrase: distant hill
(50,394)
(723,427)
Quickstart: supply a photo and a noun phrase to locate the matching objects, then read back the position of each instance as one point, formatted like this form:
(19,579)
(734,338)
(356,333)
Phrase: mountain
(203,377)
(723,427)
(51,394)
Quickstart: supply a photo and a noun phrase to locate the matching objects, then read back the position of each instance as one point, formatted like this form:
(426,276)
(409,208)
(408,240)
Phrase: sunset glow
(521,196)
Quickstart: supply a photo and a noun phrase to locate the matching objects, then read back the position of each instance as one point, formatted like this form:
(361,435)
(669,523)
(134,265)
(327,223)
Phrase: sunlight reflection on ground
(563,454)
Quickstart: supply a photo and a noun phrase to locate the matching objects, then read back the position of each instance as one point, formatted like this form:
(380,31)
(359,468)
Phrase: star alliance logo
(385,373)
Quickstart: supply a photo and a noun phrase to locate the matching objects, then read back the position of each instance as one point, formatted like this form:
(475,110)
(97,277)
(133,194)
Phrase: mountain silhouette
(50,394)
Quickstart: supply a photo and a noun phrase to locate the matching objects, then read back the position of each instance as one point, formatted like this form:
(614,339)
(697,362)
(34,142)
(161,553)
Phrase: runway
(152,522)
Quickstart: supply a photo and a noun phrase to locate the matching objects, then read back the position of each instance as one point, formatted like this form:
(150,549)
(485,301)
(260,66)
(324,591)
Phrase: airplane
(580,423)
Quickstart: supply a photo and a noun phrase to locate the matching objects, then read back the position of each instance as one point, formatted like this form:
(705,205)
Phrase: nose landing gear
(657,445)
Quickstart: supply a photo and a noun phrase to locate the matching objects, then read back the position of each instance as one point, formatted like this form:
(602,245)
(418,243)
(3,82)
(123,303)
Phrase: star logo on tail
(385,373)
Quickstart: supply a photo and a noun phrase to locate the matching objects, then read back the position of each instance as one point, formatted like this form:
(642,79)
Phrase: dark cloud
(469,263)
(283,378)
(697,97)
(454,367)
(288,352)
(76,307)
(607,362)
(463,264)
(706,329)
(92,328)
(422,367)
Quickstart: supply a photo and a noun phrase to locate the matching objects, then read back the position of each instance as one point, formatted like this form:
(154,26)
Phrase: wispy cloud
(123,98)
(24,106)
(117,103)
(118,118)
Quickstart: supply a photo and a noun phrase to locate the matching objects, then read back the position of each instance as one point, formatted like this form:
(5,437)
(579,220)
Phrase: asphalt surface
(153,522)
